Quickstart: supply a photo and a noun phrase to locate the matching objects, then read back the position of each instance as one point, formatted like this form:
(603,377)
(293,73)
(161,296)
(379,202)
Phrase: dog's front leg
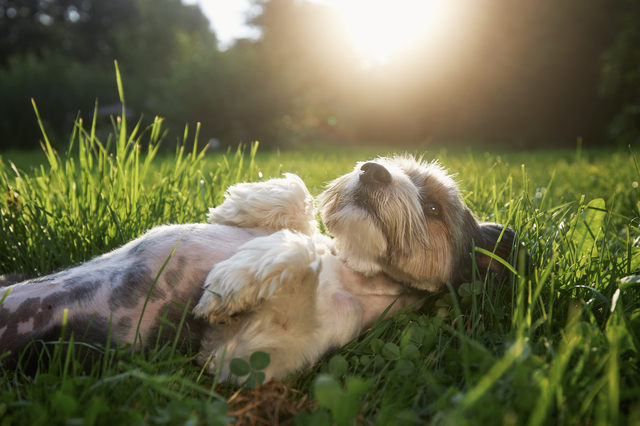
(254,273)
(271,205)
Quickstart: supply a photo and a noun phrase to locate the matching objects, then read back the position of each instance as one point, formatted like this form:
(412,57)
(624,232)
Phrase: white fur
(271,205)
(253,274)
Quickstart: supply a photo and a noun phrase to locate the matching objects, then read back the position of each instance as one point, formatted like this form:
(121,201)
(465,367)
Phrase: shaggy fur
(260,276)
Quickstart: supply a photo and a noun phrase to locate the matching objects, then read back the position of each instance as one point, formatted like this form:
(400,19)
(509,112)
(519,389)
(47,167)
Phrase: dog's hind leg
(34,310)
(272,205)
(254,273)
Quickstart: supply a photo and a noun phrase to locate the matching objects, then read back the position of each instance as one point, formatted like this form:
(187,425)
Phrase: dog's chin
(360,240)
(364,248)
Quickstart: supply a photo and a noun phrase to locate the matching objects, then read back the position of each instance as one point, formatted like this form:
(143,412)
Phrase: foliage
(65,392)
(257,361)
(522,73)
(83,30)
(60,53)
(620,77)
(62,82)
(105,195)
(559,345)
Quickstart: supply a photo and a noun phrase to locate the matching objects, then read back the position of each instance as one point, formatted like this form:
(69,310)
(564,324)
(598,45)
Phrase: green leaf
(404,367)
(412,335)
(441,303)
(327,391)
(63,404)
(97,407)
(239,367)
(255,379)
(376,345)
(410,352)
(357,387)
(465,290)
(429,341)
(316,418)
(180,410)
(401,319)
(390,351)
(423,321)
(260,360)
(46,379)
(216,413)
(588,227)
(378,361)
(338,366)
(365,360)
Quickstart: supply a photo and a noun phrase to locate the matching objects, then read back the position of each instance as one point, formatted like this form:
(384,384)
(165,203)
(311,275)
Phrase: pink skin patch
(343,302)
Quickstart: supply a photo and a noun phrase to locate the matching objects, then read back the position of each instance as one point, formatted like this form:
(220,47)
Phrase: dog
(260,276)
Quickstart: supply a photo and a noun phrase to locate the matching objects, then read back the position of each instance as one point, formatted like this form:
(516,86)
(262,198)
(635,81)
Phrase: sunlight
(378,28)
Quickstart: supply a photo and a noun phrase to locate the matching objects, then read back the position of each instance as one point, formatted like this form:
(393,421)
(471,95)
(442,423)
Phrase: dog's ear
(501,241)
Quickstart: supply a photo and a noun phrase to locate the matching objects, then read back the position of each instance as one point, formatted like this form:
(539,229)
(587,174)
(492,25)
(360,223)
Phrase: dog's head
(407,219)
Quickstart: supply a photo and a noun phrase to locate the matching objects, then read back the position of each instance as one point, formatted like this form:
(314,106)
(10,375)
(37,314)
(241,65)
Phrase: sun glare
(378,28)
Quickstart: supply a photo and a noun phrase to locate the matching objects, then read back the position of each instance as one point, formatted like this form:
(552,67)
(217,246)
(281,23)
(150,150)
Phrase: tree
(82,29)
(621,76)
(61,53)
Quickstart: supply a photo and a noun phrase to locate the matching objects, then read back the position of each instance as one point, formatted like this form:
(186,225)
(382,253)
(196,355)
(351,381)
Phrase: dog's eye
(433,209)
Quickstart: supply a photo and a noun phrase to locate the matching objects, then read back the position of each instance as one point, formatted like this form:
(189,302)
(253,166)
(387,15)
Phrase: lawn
(557,346)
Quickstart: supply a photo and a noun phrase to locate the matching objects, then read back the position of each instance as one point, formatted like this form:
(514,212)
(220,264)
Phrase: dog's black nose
(374,174)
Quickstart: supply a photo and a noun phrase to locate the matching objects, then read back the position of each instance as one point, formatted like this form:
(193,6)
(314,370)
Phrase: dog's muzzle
(374,175)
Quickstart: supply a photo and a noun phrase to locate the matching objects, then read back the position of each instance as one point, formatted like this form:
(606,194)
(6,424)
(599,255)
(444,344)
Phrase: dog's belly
(125,288)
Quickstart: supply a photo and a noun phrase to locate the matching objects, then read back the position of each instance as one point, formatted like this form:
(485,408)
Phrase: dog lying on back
(260,276)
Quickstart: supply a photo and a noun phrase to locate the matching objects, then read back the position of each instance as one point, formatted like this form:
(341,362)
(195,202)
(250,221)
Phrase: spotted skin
(114,287)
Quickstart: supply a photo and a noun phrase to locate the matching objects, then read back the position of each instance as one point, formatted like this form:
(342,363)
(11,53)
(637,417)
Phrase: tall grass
(557,346)
(101,194)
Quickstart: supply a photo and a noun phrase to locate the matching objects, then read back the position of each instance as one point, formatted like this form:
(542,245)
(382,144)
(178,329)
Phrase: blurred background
(519,73)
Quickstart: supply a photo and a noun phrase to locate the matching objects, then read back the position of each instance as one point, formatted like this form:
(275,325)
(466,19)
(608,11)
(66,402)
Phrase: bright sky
(228,19)
(377,27)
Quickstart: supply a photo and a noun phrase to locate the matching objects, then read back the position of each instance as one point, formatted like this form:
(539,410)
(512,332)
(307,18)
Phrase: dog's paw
(211,307)
(260,268)
(272,205)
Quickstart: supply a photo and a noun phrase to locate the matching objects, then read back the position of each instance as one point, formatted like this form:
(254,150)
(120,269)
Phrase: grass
(558,346)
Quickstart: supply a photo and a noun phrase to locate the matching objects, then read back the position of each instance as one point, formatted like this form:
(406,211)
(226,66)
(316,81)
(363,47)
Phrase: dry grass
(273,403)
